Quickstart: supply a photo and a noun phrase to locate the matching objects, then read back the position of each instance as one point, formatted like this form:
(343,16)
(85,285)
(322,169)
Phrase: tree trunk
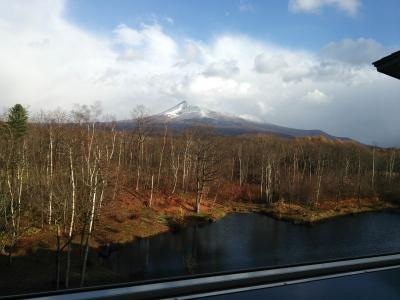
(161,156)
(50,176)
(151,193)
(71,224)
(373,169)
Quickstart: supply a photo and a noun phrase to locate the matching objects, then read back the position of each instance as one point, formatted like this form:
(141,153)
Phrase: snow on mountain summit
(184,114)
(184,110)
(177,110)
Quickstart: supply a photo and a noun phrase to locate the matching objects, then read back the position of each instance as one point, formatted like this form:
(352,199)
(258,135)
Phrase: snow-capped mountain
(184,110)
(184,114)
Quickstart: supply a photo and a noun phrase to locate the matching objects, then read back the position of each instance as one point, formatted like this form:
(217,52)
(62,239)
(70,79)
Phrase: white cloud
(251,118)
(169,20)
(192,53)
(129,55)
(357,52)
(316,97)
(47,62)
(128,36)
(149,42)
(246,7)
(269,63)
(224,68)
(350,7)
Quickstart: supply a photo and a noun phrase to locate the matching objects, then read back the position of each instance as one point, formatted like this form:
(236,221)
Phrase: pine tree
(17,120)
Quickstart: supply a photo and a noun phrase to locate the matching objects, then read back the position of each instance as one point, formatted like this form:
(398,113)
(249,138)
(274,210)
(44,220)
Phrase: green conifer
(17,120)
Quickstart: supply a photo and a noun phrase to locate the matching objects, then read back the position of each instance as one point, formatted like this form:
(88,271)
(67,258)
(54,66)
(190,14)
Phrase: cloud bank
(48,62)
(350,7)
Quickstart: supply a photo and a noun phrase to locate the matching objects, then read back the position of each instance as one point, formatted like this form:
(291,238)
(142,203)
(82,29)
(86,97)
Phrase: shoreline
(292,213)
(297,214)
(38,248)
(128,221)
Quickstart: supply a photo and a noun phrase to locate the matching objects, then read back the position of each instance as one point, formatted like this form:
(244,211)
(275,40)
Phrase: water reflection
(250,240)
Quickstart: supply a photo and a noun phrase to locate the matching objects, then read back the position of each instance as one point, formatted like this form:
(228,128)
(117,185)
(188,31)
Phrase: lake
(242,241)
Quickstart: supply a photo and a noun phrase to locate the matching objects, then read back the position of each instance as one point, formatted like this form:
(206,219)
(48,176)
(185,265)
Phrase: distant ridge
(183,115)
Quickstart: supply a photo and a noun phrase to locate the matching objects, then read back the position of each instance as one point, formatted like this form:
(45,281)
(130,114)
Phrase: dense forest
(58,170)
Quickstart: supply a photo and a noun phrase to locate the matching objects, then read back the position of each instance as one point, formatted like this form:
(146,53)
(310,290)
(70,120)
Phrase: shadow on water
(242,241)
(36,271)
(238,241)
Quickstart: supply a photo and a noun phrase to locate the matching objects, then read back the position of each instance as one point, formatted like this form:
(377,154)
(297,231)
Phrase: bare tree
(162,154)
(206,160)
(142,120)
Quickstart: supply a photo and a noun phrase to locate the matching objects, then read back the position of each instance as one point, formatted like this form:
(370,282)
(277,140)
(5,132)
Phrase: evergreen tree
(17,120)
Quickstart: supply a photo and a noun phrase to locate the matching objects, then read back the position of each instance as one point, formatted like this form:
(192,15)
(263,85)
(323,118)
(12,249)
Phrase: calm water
(242,241)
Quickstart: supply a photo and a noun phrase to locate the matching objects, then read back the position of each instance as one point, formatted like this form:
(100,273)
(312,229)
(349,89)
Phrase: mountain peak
(184,102)
(184,114)
(183,110)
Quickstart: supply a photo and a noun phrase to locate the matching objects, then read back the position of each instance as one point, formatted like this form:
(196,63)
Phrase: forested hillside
(59,172)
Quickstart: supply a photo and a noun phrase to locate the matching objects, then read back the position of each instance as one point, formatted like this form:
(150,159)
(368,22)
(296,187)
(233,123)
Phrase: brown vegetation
(70,183)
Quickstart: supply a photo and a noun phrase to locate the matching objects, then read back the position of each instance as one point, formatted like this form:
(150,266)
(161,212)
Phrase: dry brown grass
(326,210)
(129,217)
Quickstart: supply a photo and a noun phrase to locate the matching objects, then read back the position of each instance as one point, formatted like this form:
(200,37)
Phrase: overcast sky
(298,63)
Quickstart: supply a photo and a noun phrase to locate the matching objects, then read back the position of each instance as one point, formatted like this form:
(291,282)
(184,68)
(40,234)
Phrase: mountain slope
(183,115)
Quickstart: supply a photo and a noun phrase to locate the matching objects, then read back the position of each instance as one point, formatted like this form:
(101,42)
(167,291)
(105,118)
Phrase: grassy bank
(304,215)
(129,218)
